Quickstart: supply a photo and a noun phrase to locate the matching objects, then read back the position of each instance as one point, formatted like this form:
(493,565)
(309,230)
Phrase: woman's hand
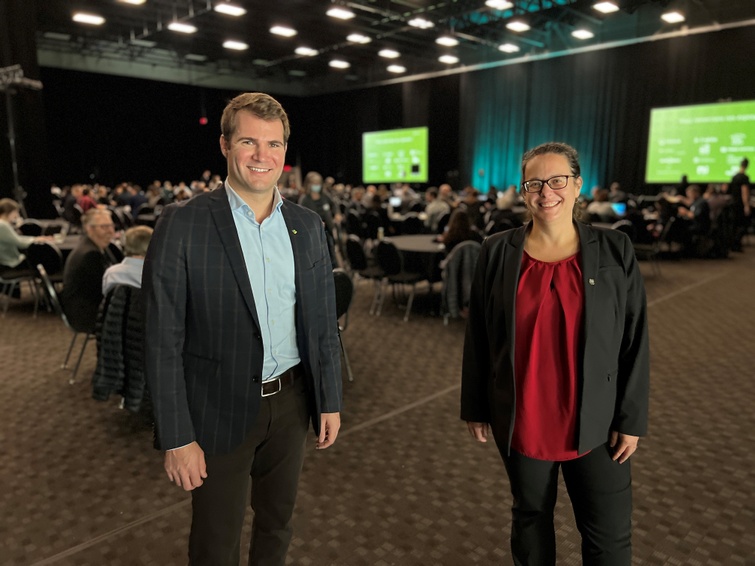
(479,431)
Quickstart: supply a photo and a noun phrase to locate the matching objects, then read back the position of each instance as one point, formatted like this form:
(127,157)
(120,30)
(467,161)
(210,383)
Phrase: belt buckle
(272,392)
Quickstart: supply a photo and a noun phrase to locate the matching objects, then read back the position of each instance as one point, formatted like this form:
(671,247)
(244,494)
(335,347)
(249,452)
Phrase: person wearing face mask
(319,202)
(11,242)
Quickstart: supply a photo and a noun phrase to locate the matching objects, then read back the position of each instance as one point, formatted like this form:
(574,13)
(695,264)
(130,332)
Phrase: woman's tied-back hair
(553,147)
(8,205)
(259,104)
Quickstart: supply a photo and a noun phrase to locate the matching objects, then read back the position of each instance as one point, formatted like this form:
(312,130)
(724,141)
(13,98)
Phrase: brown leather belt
(286,379)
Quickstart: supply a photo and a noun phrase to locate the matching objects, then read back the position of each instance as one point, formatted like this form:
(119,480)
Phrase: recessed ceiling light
(57,36)
(606,7)
(508,48)
(448,59)
(517,25)
(235,45)
(389,53)
(420,23)
(297,73)
(196,57)
(229,9)
(447,40)
(340,13)
(182,28)
(306,51)
(339,64)
(499,4)
(673,17)
(582,34)
(142,42)
(91,19)
(283,30)
(358,38)
(134,2)
(261,62)
(396,69)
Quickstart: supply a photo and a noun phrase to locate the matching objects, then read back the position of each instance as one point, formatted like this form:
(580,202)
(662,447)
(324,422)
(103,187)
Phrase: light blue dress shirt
(269,260)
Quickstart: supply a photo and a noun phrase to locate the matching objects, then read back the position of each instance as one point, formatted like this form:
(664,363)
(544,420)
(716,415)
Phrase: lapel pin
(293,231)
(591,281)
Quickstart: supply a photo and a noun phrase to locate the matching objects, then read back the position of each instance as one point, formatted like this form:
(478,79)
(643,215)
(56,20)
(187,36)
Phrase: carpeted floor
(404,484)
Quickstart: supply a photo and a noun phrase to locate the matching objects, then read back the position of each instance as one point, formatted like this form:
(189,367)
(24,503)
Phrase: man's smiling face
(255,154)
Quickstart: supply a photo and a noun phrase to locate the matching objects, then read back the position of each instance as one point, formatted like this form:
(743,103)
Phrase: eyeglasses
(557,182)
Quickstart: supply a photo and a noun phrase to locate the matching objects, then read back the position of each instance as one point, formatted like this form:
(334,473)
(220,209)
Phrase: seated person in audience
(70,201)
(695,217)
(600,208)
(434,209)
(86,202)
(616,194)
(129,271)
(11,242)
(136,198)
(459,230)
(315,200)
(470,202)
(84,269)
(447,195)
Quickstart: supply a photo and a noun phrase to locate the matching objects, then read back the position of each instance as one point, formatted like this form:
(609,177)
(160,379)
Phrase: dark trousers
(601,494)
(271,455)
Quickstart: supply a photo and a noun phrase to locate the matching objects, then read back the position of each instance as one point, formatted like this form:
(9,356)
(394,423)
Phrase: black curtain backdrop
(111,129)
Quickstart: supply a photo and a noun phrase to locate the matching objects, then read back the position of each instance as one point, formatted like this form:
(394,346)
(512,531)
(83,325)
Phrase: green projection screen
(706,142)
(393,156)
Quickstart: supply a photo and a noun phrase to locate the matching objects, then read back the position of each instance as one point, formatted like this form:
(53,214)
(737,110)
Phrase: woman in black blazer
(556,365)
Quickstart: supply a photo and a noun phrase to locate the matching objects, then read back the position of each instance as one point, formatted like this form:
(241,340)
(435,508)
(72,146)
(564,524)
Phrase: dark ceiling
(270,60)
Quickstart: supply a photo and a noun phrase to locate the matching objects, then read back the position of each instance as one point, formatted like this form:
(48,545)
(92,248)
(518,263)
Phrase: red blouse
(549,305)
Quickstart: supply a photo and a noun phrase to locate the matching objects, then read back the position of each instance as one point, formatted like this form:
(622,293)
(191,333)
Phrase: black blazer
(614,373)
(82,284)
(204,351)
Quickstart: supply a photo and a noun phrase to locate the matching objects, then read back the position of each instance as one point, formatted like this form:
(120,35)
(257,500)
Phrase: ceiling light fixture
(235,45)
(448,59)
(396,69)
(229,9)
(421,23)
(283,31)
(447,41)
(340,13)
(339,64)
(91,19)
(56,36)
(508,48)
(606,7)
(517,25)
(306,51)
(389,53)
(583,34)
(499,4)
(673,17)
(358,38)
(182,28)
(196,57)
(134,2)
(297,73)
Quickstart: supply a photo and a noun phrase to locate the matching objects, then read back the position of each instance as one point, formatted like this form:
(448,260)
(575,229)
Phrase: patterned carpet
(404,484)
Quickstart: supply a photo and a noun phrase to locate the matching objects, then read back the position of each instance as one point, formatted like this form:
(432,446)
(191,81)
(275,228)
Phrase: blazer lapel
(223,218)
(299,240)
(590,262)
(512,264)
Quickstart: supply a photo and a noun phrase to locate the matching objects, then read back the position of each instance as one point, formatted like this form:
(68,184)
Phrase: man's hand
(479,431)
(330,423)
(624,446)
(186,466)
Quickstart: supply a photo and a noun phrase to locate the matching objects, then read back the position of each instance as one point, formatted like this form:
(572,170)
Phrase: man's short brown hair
(136,240)
(259,104)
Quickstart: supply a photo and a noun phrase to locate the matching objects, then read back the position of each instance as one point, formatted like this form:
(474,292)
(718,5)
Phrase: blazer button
(256,378)
(258,337)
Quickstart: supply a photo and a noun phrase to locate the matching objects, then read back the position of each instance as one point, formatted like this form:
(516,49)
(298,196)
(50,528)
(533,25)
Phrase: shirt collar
(237,202)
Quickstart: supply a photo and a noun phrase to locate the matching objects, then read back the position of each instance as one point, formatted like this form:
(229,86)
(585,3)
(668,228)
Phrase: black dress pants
(271,455)
(601,494)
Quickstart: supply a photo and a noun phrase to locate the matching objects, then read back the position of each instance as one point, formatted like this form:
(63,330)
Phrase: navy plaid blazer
(204,351)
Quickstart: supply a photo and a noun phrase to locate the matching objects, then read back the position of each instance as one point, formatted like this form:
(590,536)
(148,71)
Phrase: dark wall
(110,129)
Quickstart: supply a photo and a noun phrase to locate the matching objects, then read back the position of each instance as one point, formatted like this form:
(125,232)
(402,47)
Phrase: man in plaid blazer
(242,344)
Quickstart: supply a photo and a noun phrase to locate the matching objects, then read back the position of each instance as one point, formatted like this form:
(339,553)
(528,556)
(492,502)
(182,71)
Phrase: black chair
(344,294)
(116,253)
(54,300)
(391,262)
(360,266)
(50,256)
(443,222)
(31,227)
(411,224)
(651,252)
(11,279)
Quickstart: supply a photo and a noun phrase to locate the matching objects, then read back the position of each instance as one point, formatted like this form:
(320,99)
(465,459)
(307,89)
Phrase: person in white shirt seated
(129,271)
